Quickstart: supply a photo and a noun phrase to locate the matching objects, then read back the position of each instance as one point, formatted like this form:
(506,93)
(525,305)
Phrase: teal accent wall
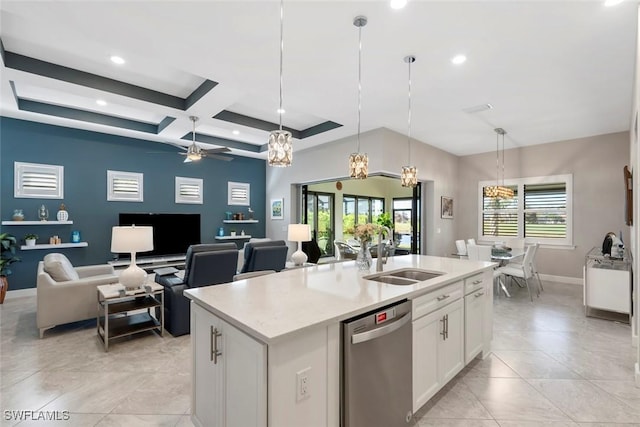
(86,157)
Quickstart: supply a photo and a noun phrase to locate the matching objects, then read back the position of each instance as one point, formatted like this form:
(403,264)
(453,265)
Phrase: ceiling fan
(194,152)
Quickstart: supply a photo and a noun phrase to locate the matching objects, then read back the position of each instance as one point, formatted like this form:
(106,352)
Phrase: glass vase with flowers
(365,234)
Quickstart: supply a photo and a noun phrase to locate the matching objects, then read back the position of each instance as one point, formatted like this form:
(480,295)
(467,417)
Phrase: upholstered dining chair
(344,251)
(461,247)
(533,265)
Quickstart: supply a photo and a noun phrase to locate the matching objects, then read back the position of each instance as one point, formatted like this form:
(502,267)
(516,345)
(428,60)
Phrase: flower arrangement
(365,232)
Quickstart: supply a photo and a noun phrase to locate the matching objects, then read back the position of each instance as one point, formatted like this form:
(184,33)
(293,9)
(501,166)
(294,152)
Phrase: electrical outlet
(303,386)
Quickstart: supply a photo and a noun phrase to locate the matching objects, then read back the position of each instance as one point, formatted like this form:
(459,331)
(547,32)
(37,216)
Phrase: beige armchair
(67,294)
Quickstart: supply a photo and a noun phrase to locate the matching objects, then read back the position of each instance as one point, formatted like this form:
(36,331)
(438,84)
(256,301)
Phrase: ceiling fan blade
(217,150)
(218,157)
(174,145)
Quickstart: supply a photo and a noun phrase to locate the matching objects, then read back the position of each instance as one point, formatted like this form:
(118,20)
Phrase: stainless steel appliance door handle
(379,332)
(214,345)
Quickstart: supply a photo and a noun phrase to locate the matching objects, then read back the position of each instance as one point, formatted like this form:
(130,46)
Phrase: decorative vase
(62,214)
(4,286)
(43,213)
(364,259)
(18,215)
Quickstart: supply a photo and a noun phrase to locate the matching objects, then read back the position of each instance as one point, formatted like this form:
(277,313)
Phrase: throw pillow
(59,268)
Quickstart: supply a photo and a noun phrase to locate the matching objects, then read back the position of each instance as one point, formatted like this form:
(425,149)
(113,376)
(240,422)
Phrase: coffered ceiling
(551,70)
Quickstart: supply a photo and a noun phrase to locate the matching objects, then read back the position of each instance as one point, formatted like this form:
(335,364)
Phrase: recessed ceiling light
(398,4)
(280,111)
(610,3)
(236,132)
(117,60)
(458,59)
(101,102)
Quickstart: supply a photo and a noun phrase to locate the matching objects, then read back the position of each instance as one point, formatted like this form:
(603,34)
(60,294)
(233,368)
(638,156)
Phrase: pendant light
(409,175)
(499,191)
(280,149)
(359,162)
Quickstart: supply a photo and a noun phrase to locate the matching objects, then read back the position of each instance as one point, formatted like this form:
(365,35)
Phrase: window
(188,190)
(359,210)
(34,180)
(124,186)
(238,193)
(541,210)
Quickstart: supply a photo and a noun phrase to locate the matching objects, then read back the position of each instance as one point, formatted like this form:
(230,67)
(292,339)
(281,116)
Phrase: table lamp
(299,233)
(132,239)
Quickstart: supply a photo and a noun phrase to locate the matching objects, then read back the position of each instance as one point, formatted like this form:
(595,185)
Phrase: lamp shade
(131,239)
(299,233)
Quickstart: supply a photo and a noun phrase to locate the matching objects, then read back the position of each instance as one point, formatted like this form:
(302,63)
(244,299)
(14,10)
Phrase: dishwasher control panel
(386,315)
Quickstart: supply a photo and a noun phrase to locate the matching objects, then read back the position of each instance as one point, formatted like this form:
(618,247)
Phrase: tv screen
(172,233)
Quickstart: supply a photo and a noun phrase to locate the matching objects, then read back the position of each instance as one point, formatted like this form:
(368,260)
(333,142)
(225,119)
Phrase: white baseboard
(31,292)
(562,279)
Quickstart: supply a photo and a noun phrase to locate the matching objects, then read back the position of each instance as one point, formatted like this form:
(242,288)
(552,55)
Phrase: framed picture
(276,209)
(446,207)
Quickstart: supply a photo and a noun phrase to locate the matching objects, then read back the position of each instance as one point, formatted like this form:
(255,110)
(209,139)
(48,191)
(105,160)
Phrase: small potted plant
(232,232)
(30,239)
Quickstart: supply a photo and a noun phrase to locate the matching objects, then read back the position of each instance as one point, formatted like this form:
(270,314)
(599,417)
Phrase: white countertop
(274,306)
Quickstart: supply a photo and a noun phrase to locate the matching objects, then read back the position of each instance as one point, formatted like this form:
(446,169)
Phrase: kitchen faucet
(383,253)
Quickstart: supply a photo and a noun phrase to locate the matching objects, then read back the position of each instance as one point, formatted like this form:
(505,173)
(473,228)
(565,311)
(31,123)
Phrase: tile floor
(551,366)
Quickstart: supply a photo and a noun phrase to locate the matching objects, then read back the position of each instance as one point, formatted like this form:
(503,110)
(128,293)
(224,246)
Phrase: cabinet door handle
(446,325)
(443,297)
(444,332)
(215,353)
(475,282)
(479,294)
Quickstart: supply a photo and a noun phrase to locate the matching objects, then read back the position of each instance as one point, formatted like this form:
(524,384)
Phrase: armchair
(205,264)
(66,294)
(270,255)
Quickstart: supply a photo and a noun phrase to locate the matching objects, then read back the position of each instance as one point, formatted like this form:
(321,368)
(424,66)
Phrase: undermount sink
(405,276)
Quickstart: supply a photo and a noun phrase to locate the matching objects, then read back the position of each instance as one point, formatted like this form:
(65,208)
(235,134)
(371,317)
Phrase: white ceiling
(553,70)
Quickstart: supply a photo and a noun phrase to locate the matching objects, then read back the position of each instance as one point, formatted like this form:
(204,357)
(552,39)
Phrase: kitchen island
(266,351)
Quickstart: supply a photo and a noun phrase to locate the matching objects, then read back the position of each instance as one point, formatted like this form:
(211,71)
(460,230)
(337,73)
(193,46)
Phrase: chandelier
(359,162)
(499,191)
(280,148)
(409,174)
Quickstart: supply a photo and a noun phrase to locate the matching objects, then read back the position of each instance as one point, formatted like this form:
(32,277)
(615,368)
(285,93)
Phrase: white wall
(387,151)
(596,164)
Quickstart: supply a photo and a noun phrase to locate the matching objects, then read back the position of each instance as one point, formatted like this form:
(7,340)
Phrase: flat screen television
(173,233)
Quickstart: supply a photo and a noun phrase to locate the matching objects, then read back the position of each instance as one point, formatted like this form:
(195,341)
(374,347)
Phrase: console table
(607,283)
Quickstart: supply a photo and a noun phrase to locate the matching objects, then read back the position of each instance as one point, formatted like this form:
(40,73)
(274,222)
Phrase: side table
(115,318)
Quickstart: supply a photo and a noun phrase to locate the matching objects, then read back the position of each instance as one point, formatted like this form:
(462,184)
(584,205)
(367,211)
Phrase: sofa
(68,294)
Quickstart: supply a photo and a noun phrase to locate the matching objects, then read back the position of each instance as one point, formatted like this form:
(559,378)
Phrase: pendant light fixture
(359,162)
(409,175)
(499,191)
(280,149)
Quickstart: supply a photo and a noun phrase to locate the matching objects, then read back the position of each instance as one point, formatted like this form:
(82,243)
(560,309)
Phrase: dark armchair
(206,264)
(270,255)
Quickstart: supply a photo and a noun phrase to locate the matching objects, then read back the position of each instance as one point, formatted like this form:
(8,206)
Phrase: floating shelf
(59,245)
(36,222)
(246,236)
(240,221)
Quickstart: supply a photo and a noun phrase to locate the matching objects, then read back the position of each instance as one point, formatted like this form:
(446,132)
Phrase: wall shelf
(36,222)
(59,245)
(240,221)
(237,237)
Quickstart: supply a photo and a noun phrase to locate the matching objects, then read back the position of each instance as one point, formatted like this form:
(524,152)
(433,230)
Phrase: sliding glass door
(319,214)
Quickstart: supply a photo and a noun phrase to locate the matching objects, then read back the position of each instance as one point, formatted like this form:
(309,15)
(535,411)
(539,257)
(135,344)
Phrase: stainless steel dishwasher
(376,368)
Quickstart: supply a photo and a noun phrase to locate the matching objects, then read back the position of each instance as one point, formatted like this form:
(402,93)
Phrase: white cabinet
(229,367)
(475,315)
(438,341)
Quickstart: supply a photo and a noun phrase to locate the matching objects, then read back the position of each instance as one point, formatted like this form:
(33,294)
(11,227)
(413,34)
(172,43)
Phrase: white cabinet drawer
(473,283)
(431,301)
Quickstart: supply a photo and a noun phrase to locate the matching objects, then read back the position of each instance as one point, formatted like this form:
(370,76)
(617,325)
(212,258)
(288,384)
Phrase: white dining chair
(471,241)
(483,253)
(522,271)
(515,243)
(533,266)
(461,247)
